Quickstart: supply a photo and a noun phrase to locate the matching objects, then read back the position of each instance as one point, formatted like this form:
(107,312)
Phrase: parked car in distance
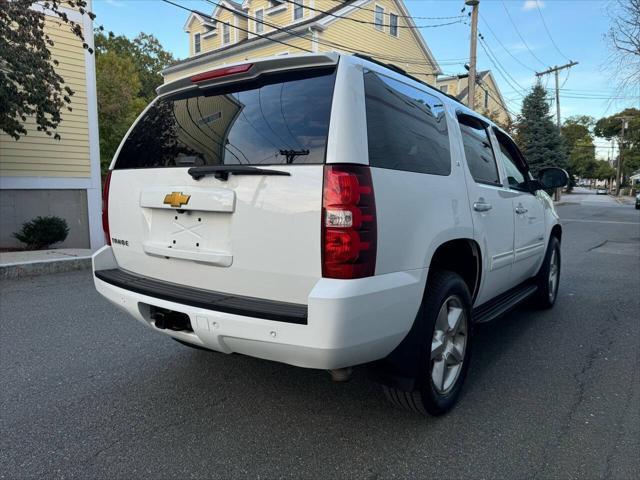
(326,211)
(602,191)
(638,201)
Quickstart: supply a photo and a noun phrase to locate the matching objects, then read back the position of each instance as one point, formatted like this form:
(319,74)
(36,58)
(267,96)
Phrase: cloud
(115,3)
(531,4)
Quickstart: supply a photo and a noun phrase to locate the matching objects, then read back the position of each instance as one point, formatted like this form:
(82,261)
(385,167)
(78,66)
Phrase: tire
(547,292)
(444,352)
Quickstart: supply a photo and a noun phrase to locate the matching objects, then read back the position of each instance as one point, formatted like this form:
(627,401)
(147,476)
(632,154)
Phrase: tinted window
(406,127)
(514,176)
(275,121)
(478,151)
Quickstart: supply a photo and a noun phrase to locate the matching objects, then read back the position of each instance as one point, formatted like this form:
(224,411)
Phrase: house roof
(321,20)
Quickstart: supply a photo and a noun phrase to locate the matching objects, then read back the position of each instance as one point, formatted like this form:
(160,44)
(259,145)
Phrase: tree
(611,128)
(127,74)
(537,135)
(29,83)
(604,171)
(146,53)
(581,150)
(119,103)
(624,41)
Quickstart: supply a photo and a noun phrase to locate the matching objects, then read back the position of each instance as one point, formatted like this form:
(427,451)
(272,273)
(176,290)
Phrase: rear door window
(478,150)
(274,120)
(406,127)
(514,168)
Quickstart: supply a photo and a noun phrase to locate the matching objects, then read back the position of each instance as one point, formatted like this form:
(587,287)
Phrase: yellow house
(43,176)
(382,29)
(489,101)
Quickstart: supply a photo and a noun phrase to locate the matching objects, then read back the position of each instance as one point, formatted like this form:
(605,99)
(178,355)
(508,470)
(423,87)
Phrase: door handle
(482,206)
(520,210)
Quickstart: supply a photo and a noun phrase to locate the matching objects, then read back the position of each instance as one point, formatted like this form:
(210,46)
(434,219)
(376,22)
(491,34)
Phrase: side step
(503,303)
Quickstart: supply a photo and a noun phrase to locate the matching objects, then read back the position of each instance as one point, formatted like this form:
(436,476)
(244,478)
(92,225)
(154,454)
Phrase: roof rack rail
(399,70)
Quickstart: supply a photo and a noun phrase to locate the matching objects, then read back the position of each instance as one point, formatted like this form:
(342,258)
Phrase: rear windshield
(406,127)
(277,119)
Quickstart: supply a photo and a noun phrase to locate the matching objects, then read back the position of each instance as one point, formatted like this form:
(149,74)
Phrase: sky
(521,37)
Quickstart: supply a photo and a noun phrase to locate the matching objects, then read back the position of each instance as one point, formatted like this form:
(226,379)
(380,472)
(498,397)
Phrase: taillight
(221,72)
(105,208)
(348,222)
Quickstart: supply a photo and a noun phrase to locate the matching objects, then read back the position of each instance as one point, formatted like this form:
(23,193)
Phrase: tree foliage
(127,74)
(581,150)
(29,83)
(537,134)
(611,128)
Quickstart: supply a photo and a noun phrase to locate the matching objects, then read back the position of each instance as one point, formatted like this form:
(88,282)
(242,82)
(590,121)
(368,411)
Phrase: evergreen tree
(538,136)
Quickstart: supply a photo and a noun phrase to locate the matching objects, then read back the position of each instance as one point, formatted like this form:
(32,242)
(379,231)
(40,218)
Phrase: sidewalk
(39,262)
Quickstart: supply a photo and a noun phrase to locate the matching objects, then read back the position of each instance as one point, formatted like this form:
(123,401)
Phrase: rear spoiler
(247,70)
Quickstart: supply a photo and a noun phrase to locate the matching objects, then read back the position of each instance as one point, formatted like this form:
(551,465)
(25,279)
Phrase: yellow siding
(267,50)
(343,35)
(403,51)
(237,31)
(37,154)
(452,86)
(283,14)
(495,110)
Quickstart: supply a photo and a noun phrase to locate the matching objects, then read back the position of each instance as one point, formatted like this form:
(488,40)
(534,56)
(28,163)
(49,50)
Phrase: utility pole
(471,98)
(625,124)
(556,70)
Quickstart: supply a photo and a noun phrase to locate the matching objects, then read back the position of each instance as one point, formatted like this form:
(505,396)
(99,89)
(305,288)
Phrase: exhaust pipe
(168,319)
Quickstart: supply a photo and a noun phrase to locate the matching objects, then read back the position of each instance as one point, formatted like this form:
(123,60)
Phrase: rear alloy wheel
(548,279)
(449,344)
(446,347)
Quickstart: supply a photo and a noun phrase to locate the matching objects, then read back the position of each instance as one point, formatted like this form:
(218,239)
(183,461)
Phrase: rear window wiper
(221,172)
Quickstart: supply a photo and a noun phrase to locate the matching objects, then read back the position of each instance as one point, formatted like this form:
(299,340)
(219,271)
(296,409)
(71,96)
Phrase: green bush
(42,232)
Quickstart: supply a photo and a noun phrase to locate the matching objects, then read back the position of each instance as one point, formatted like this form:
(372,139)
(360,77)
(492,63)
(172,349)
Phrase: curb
(11,271)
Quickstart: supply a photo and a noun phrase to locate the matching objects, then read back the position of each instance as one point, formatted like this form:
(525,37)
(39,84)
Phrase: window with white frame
(444,88)
(298,10)
(226,33)
(379,18)
(197,45)
(259,20)
(393,24)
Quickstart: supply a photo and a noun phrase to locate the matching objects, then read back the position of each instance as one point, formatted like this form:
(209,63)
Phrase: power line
(401,16)
(305,37)
(503,47)
(460,18)
(235,26)
(520,35)
(549,34)
(518,88)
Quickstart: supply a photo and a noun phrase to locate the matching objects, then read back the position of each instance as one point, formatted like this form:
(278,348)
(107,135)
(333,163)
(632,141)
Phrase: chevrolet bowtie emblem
(176,199)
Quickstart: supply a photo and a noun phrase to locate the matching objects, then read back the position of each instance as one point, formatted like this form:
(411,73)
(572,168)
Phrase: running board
(503,303)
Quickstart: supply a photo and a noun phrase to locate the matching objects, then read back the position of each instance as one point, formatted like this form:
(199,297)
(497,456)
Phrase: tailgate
(255,235)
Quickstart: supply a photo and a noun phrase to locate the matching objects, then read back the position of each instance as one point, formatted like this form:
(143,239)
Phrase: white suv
(326,211)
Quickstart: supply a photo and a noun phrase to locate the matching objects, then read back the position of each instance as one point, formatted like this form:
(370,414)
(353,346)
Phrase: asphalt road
(86,392)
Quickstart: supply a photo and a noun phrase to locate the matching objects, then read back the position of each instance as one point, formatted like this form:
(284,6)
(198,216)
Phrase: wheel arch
(459,255)
(462,256)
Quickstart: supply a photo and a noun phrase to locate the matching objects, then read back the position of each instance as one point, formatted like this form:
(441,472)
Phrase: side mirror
(552,177)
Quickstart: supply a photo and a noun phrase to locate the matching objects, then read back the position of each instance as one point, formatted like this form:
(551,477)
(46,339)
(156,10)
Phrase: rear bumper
(349,322)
